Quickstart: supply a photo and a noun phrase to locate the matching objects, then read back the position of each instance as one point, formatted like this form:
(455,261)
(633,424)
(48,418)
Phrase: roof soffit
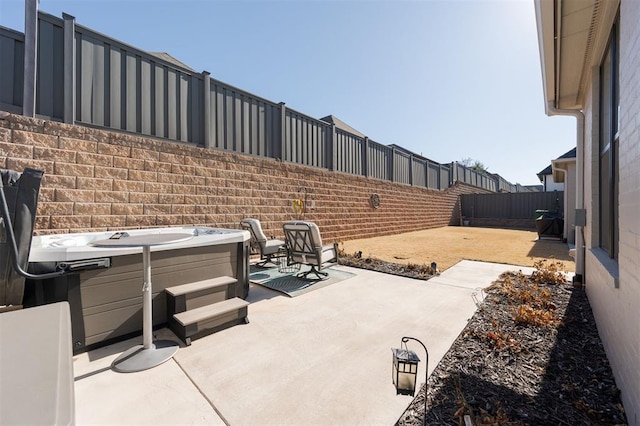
(573,50)
(583,29)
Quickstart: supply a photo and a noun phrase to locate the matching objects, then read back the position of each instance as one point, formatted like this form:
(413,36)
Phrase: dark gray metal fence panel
(401,167)
(469,176)
(124,88)
(493,185)
(418,172)
(459,173)
(379,157)
(454,172)
(515,205)
(434,176)
(50,75)
(121,87)
(195,110)
(90,86)
(349,153)
(444,177)
(305,139)
(242,122)
(11,70)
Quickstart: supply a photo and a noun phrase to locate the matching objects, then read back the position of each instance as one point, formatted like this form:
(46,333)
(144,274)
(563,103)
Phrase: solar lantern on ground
(405,370)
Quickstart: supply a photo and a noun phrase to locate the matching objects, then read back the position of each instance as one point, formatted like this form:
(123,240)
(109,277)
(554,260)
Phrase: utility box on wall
(581,217)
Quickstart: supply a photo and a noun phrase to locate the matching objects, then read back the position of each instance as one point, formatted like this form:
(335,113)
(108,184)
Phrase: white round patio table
(150,353)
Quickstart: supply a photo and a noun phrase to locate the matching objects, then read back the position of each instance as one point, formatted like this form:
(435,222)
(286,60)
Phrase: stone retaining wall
(101,180)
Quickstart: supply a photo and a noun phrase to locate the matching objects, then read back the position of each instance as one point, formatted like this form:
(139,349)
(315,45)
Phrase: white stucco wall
(614,287)
(550,185)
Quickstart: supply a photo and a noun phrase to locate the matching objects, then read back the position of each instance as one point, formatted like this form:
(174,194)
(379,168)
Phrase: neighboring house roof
(544,172)
(168,58)
(549,169)
(569,154)
(342,125)
(406,151)
(345,127)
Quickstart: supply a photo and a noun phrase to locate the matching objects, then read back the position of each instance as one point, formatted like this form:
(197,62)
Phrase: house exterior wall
(103,180)
(570,203)
(613,286)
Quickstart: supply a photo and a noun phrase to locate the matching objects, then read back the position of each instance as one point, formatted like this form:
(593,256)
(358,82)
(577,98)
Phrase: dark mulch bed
(531,355)
(420,272)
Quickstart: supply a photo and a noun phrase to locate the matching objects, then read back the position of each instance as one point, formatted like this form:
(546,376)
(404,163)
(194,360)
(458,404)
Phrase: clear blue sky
(446,79)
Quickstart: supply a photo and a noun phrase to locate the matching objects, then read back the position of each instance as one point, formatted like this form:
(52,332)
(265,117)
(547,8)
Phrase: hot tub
(102,285)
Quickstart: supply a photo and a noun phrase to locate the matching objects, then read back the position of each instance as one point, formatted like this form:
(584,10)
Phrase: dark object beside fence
(549,224)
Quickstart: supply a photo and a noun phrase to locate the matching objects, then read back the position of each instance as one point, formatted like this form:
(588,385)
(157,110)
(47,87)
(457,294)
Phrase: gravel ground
(531,355)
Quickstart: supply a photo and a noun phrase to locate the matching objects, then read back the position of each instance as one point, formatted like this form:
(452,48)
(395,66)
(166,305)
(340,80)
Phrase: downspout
(565,173)
(580,243)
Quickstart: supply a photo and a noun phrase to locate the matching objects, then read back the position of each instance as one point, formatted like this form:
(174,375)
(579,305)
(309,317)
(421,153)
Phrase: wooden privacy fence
(86,78)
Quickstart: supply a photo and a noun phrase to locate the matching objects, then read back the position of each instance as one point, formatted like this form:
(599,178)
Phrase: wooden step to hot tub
(204,307)
(208,319)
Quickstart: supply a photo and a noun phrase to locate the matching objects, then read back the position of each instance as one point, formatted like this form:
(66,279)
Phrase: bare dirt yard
(450,244)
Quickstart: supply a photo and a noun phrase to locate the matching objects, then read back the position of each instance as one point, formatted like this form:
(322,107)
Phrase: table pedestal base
(138,358)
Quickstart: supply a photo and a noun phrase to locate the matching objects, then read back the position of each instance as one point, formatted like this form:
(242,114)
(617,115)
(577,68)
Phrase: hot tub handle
(81,265)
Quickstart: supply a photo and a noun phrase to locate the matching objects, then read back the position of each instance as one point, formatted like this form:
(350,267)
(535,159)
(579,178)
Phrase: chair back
(304,242)
(255,229)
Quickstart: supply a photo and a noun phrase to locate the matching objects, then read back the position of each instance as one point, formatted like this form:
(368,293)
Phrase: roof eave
(545,22)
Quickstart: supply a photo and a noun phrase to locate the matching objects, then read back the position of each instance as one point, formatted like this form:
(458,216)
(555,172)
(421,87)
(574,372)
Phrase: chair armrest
(328,254)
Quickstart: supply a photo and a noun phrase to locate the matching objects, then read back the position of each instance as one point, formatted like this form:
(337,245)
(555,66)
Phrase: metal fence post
(392,176)
(206,103)
(426,179)
(365,157)
(331,150)
(30,57)
(411,169)
(69,61)
(453,172)
(283,133)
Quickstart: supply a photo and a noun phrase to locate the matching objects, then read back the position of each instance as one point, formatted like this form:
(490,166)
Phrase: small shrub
(500,339)
(527,315)
(549,272)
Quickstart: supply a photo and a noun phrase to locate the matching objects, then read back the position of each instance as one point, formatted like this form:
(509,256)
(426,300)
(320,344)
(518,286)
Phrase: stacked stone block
(98,180)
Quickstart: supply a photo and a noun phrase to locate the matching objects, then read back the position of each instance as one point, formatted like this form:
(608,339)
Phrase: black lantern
(404,371)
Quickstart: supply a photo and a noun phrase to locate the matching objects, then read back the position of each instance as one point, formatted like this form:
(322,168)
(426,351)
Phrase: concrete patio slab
(161,395)
(472,275)
(320,358)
